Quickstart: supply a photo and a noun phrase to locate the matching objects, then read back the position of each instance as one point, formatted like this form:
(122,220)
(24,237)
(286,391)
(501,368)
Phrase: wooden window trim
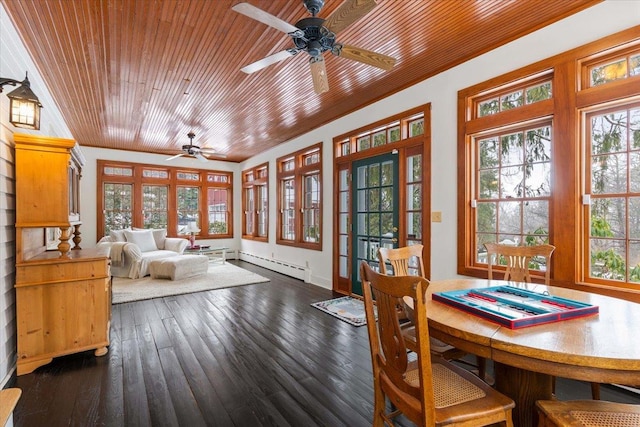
(566,213)
(298,173)
(253,185)
(172,182)
(406,146)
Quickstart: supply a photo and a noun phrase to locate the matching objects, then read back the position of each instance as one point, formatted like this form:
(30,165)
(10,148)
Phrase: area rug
(219,276)
(347,309)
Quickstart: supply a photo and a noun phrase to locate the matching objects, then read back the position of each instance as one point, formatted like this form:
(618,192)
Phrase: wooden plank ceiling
(140,74)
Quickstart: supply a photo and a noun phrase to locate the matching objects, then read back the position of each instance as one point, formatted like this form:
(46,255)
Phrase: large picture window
(300,198)
(147,196)
(510,152)
(550,153)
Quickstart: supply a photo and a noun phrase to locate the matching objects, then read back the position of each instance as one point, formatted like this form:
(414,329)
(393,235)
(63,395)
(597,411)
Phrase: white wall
(14,62)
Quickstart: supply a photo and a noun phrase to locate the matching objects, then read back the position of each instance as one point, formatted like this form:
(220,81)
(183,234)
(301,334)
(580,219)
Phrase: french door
(375,211)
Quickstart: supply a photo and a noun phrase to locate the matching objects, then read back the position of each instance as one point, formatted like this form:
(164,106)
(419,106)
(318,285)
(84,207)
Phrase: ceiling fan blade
(365,56)
(319,74)
(212,153)
(265,62)
(200,157)
(264,17)
(174,157)
(347,13)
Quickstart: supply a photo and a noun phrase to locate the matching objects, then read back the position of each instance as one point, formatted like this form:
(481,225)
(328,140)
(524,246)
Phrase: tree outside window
(614,161)
(513,184)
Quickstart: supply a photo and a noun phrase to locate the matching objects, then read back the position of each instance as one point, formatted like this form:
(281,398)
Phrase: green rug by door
(347,309)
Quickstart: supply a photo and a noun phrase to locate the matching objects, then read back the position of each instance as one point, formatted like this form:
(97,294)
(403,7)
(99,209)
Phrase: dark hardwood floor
(245,356)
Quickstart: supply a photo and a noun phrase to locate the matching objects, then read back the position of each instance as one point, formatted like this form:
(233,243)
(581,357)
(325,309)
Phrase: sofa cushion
(159,235)
(143,239)
(118,235)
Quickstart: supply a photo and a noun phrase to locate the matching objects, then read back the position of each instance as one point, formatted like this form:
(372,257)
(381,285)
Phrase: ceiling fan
(315,36)
(193,150)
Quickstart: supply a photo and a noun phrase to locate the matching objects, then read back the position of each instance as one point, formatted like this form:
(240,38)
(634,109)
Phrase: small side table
(214,254)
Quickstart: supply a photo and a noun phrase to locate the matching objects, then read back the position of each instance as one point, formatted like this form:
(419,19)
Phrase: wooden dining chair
(429,391)
(407,261)
(517,261)
(555,413)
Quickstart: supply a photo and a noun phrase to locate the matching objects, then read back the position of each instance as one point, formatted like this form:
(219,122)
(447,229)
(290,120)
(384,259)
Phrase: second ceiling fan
(315,36)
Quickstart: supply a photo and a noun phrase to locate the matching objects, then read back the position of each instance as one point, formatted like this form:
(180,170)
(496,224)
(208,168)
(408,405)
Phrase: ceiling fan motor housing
(190,149)
(316,39)
(313,6)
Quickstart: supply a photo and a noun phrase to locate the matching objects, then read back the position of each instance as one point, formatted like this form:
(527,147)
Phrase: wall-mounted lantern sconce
(24,107)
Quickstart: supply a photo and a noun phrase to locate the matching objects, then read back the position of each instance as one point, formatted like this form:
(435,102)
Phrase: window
(386,134)
(300,198)
(146,196)
(511,177)
(188,205)
(155,206)
(513,187)
(218,190)
(117,200)
(255,203)
(414,194)
(621,65)
(551,153)
(613,168)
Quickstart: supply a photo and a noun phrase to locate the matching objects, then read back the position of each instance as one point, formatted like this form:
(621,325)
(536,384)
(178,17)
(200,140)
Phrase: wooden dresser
(63,293)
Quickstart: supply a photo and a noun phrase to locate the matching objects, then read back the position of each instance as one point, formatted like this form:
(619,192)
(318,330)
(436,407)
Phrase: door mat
(347,309)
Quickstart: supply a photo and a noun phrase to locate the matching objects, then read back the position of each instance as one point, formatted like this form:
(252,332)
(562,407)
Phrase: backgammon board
(515,307)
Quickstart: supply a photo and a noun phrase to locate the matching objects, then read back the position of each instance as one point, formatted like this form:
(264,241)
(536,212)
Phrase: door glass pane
(387,172)
(374,175)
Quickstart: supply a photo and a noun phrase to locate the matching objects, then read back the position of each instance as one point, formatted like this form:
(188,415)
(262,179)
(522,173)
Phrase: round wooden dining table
(602,347)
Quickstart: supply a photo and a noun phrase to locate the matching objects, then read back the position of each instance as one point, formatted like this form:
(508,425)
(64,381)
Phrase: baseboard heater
(286,268)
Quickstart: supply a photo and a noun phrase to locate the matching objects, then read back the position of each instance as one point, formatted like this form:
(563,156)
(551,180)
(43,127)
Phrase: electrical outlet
(436,216)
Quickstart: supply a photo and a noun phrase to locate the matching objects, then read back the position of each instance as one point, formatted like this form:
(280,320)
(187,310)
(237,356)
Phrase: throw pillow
(159,235)
(118,235)
(143,239)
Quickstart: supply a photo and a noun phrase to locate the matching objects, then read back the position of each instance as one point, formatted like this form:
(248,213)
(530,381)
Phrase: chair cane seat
(587,413)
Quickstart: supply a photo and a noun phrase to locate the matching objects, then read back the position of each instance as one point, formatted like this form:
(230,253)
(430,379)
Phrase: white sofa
(132,251)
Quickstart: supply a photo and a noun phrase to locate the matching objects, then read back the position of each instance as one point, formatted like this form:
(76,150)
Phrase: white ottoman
(179,267)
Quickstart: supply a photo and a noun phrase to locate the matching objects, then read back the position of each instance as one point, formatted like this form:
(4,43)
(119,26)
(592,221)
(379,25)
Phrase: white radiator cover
(283,267)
